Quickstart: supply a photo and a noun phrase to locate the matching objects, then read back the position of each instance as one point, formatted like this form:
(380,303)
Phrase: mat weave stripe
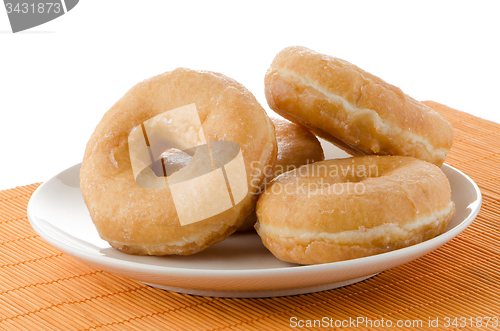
(44,289)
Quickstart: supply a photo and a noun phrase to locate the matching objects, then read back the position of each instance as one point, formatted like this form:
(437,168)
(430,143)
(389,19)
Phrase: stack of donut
(390,195)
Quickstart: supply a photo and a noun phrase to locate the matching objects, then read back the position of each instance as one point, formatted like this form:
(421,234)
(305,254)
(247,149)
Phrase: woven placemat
(44,289)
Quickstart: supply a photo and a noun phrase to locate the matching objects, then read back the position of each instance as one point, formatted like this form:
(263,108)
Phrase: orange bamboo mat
(44,289)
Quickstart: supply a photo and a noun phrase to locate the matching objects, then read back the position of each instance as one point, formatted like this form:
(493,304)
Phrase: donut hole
(164,144)
(206,158)
(170,161)
(360,172)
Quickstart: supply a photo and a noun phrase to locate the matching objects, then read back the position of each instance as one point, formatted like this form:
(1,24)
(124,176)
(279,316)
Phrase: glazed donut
(297,146)
(344,209)
(358,112)
(133,207)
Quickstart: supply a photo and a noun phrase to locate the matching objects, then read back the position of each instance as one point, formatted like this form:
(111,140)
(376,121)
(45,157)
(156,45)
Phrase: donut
(353,109)
(297,146)
(344,209)
(208,131)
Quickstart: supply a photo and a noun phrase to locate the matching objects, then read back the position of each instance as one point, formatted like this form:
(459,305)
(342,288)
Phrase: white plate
(240,266)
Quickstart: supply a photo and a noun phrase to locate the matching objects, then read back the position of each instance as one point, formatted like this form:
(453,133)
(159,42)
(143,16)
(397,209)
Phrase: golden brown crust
(320,251)
(140,220)
(297,146)
(352,108)
(342,209)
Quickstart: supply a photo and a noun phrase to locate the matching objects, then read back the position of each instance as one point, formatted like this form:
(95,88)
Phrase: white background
(58,79)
